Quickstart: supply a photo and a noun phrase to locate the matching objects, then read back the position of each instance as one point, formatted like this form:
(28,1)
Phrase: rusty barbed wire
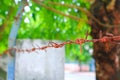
(80,41)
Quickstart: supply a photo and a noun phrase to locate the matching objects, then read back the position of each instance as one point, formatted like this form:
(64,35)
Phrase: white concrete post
(39,65)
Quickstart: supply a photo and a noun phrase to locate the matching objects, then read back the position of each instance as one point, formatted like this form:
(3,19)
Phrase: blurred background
(45,21)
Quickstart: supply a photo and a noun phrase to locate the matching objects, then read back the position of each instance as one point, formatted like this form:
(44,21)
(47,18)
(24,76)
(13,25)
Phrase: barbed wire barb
(109,38)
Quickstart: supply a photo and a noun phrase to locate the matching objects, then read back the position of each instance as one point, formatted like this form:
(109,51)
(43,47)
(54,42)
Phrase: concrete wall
(3,62)
(3,67)
(39,65)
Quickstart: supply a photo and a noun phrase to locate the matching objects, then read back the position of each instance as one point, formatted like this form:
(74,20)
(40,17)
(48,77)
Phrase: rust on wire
(103,39)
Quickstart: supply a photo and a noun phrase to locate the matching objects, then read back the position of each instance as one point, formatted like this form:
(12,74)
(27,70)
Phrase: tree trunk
(106,55)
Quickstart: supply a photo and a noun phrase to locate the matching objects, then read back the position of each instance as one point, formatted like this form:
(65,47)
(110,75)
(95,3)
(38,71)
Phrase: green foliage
(40,23)
(7,14)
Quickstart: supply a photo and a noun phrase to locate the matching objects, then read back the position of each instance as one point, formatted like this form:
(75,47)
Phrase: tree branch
(57,11)
(85,11)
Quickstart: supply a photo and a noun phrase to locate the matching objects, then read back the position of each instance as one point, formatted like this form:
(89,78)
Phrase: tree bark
(106,55)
